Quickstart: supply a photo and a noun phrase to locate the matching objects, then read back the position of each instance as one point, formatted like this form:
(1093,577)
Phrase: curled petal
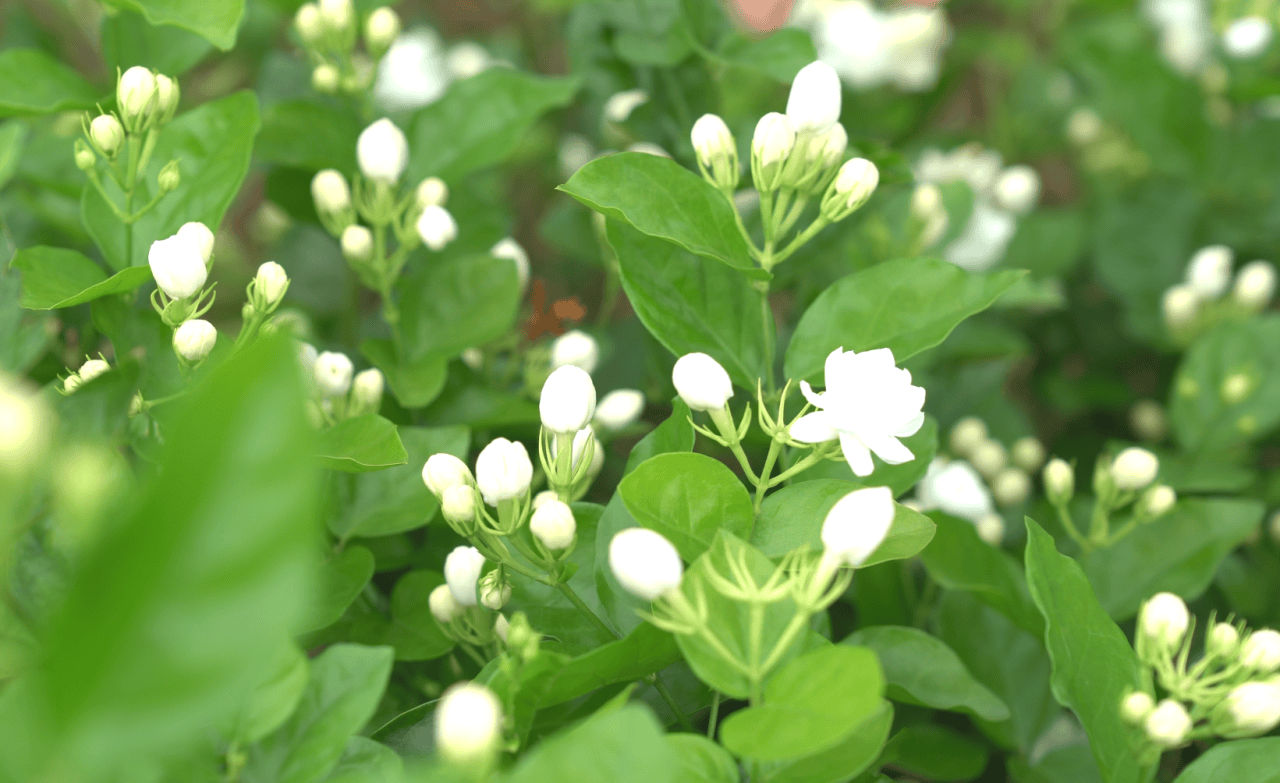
(912,426)
(889,449)
(813,397)
(856,454)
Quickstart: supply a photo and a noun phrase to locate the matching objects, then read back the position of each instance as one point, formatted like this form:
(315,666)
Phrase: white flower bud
(330,191)
(989,457)
(466,59)
(553,524)
(830,146)
(437,227)
(107,134)
(1083,126)
(576,348)
(357,243)
(1158,501)
(381,29)
(926,201)
(432,191)
(1168,724)
(1135,707)
(857,524)
(366,389)
(468,724)
(337,15)
(308,24)
(1134,468)
(1255,285)
(93,368)
(1163,620)
(1251,708)
(1222,639)
(458,504)
(1247,37)
(814,103)
(1261,651)
(444,607)
(167,95)
(194,340)
(169,177)
(1180,304)
(270,283)
(701,382)
(1148,420)
(1017,189)
(444,471)
(967,435)
(772,141)
(545,496)
(620,105)
(333,374)
(26,426)
(1011,487)
(712,141)
(1209,271)
(503,471)
(853,185)
(383,152)
(201,237)
(325,78)
(568,400)
(511,249)
(502,627)
(135,96)
(1028,454)
(991,529)
(644,563)
(71,383)
(1059,481)
(494,591)
(620,408)
(462,571)
(177,266)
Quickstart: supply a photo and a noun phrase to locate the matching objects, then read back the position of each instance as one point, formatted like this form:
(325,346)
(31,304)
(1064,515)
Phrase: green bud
(169,177)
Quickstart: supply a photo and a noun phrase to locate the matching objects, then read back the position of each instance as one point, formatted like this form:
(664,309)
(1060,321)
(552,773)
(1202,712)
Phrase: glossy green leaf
(274,699)
(330,132)
(935,753)
(673,435)
(626,746)
(364,761)
(341,580)
(361,444)
(1250,759)
(452,304)
(415,383)
(32,82)
(792,517)
(215,20)
(692,305)
(414,631)
(906,305)
(661,198)
(212,145)
(1093,664)
(854,754)
(779,55)
(639,654)
(54,277)
(23,333)
(688,498)
(128,40)
(921,669)
(479,121)
(1067,764)
(701,760)
(1203,416)
(346,683)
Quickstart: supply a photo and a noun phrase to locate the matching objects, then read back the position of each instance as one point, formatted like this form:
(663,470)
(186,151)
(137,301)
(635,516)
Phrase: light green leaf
(414,631)
(366,761)
(906,305)
(330,132)
(1204,418)
(32,82)
(341,580)
(626,746)
(701,760)
(54,277)
(128,40)
(12,135)
(361,444)
(453,304)
(779,55)
(415,383)
(1253,760)
(674,434)
(639,654)
(688,498)
(215,20)
(274,700)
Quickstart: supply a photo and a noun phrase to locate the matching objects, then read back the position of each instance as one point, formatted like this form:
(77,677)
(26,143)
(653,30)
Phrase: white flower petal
(856,454)
(814,399)
(912,426)
(813,428)
(889,449)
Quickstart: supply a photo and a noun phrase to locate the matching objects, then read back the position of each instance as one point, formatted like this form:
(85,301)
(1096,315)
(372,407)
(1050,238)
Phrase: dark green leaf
(54,277)
(128,40)
(639,654)
(414,631)
(674,434)
(341,580)
(362,444)
(779,55)
(330,135)
(935,753)
(415,383)
(1249,759)
(215,20)
(1204,418)
(12,135)
(688,498)
(452,304)
(32,82)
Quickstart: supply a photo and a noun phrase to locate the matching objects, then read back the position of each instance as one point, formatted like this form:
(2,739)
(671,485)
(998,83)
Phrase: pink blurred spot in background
(766,15)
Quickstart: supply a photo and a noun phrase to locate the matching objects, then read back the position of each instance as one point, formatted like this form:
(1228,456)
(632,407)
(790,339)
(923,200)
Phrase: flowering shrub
(639,392)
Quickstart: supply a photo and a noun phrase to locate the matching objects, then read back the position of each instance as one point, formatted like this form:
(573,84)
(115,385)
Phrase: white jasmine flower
(576,348)
(1168,724)
(468,724)
(1163,620)
(1134,468)
(701,382)
(177,266)
(436,227)
(553,524)
(444,607)
(620,408)
(955,488)
(857,524)
(383,152)
(193,340)
(462,572)
(1252,708)
(645,563)
(503,471)
(568,400)
(813,105)
(412,73)
(1209,271)
(333,373)
(200,236)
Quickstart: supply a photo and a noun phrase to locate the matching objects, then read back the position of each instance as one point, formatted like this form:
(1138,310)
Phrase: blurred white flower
(413,73)
(955,488)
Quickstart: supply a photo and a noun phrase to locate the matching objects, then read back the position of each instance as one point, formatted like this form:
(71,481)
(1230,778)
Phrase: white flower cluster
(870,47)
(342,391)
(1186,36)
(1201,295)
(1000,195)
(617,410)
(419,67)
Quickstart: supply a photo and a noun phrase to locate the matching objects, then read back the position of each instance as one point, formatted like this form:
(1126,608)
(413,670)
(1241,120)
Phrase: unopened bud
(357,244)
(458,504)
(502,628)
(1180,305)
(503,471)
(991,529)
(337,15)
(308,24)
(829,148)
(620,105)
(1017,188)
(1157,501)
(495,590)
(989,457)
(716,150)
(325,78)
(1011,487)
(194,340)
(437,227)
(366,390)
(1209,271)
(444,607)
(1134,468)
(107,134)
(443,471)
(644,563)
(92,369)
(177,265)
(330,192)
(1059,481)
(269,286)
(333,374)
(382,151)
(1255,285)
(553,524)
(462,572)
(1223,638)
(510,249)
(1235,388)
(380,30)
(1028,454)
(853,185)
(1135,707)
(967,435)
(1163,621)
(432,192)
(620,408)
(701,382)
(575,348)
(1084,126)
(169,177)
(568,400)
(1168,724)
(1249,710)
(85,158)
(468,725)
(813,106)
(167,96)
(1148,420)
(200,237)
(772,142)
(136,97)
(1261,651)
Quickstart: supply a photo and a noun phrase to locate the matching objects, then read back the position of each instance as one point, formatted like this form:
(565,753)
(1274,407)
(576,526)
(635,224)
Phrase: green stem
(764,484)
(769,335)
(473,654)
(715,714)
(1122,531)
(792,216)
(1064,516)
(569,593)
(812,459)
(742,227)
(788,636)
(817,225)
(671,702)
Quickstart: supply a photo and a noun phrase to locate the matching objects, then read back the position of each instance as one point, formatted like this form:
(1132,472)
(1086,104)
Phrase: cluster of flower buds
(91,369)
(341,391)
(180,265)
(328,30)
(1200,301)
(1103,147)
(1232,691)
(1127,480)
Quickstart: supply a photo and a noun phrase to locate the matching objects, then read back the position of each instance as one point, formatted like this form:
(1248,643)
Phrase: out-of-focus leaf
(32,82)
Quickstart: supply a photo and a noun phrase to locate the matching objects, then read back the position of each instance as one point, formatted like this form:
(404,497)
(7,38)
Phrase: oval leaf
(688,498)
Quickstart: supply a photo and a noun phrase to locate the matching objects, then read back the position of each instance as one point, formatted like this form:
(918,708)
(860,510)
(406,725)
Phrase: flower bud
(967,435)
(620,408)
(857,524)
(1255,285)
(437,227)
(644,563)
(269,285)
(84,157)
(383,152)
(167,97)
(194,340)
(444,607)
(169,177)
(1223,638)
(71,383)
(177,266)
(1084,126)
(1011,487)
(1180,304)
(1163,621)
(814,103)
(853,185)
(991,529)
(1235,388)
(458,504)
(1250,709)
(1148,420)
(26,426)
(511,249)
(568,400)
(357,244)
(1017,188)
(432,192)
(553,525)
(1248,36)
(307,22)
(333,374)
(136,97)
(93,368)
(771,143)
(495,591)
(545,496)
(444,471)
(1134,468)
(1059,481)
(473,358)
(107,134)
(462,571)
(325,78)
(830,146)
(380,30)
(468,725)
(466,59)
(575,348)
(1028,454)
(337,15)
(648,148)
(701,382)
(1135,707)
(620,105)
(1209,271)
(366,390)
(989,457)
(503,471)
(1168,724)
(716,150)
(200,236)
(1157,501)
(330,192)
(1261,651)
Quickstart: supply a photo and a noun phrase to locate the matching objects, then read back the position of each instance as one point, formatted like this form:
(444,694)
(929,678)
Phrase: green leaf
(12,135)
(394,500)
(855,753)
(128,40)
(701,760)
(958,560)
(1253,760)
(625,746)
(1203,417)
(688,498)
(780,55)
(365,761)
(663,199)
(212,145)
(921,669)
(23,334)
(185,599)
(215,20)
(1093,664)
(674,434)
(935,753)
(54,277)
(1067,764)
(415,383)
(457,303)
(479,121)
(693,305)
(330,132)
(906,305)
(1178,553)
(341,580)
(361,444)
(414,631)
(32,82)
(637,655)
(274,700)
(792,517)
(346,683)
